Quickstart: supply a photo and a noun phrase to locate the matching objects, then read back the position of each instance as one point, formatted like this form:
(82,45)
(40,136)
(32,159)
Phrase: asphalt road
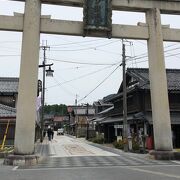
(71,159)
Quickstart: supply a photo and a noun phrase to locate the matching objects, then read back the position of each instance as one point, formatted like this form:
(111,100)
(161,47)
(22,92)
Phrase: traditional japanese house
(139,115)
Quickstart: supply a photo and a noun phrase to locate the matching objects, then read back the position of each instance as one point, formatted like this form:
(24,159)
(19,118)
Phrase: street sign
(97,17)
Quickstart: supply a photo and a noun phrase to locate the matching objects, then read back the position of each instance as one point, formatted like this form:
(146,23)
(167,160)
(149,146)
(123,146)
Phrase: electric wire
(143,55)
(71,68)
(76,62)
(97,46)
(79,42)
(99,84)
(92,48)
(80,77)
(6,55)
(63,88)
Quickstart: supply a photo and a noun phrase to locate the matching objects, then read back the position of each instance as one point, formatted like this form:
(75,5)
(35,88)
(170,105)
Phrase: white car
(60,131)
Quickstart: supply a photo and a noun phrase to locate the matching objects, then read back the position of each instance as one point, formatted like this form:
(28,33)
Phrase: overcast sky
(81,79)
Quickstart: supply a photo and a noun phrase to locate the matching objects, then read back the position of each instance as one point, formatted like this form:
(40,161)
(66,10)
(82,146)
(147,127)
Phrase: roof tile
(9,85)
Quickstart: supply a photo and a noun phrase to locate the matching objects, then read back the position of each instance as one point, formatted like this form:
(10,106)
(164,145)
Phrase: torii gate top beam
(166,6)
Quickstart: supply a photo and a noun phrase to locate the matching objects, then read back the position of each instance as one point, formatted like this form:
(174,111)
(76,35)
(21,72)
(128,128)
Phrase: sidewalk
(42,149)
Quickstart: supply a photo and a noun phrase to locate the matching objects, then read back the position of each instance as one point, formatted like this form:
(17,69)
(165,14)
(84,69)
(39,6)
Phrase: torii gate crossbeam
(166,7)
(75,28)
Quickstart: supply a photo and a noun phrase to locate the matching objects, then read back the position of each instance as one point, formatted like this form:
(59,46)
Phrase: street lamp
(49,73)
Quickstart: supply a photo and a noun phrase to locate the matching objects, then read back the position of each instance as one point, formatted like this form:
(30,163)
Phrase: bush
(118,144)
(135,145)
(98,139)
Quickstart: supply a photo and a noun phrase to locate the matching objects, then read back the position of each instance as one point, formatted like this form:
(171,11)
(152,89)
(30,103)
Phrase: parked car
(60,131)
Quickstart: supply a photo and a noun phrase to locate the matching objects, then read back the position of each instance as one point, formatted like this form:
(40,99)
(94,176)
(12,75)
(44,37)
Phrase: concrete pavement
(65,146)
(69,158)
(69,152)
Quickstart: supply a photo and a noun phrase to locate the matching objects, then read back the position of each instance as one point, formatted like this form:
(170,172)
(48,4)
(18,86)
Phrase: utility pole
(87,127)
(125,133)
(76,117)
(44,48)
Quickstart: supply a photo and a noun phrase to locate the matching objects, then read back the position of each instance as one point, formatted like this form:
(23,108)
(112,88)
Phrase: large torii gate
(32,24)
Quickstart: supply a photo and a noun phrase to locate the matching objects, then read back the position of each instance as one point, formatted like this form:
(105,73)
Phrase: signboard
(39,85)
(97,17)
(39,89)
(118,126)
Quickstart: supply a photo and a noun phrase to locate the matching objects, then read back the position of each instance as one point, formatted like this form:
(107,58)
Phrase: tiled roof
(141,79)
(101,102)
(142,76)
(106,110)
(6,111)
(9,85)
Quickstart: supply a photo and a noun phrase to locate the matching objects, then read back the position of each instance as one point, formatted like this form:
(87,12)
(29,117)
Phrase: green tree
(55,109)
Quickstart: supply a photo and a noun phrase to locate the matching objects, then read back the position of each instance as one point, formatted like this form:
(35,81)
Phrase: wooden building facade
(139,117)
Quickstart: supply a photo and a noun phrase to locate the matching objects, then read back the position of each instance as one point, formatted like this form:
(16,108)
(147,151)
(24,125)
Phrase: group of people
(50,133)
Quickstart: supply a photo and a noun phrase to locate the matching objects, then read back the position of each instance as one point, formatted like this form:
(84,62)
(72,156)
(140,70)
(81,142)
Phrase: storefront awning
(115,120)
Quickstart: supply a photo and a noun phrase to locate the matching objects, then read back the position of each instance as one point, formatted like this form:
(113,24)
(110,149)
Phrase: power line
(167,56)
(4,55)
(90,48)
(6,42)
(80,77)
(76,62)
(63,88)
(75,68)
(102,45)
(79,42)
(143,55)
(172,55)
(99,84)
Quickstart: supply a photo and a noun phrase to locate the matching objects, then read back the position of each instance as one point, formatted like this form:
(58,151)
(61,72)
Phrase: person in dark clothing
(49,133)
(52,133)
(44,133)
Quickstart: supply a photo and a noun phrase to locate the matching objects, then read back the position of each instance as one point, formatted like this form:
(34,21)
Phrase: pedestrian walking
(49,133)
(52,133)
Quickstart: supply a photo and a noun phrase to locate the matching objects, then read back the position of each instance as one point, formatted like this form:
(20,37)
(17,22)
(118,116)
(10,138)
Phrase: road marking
(153,172)
(102,167)
(177,162)
(15,168)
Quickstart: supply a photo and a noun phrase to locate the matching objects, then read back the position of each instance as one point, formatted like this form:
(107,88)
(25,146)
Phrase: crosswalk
(67,152)
(95,161)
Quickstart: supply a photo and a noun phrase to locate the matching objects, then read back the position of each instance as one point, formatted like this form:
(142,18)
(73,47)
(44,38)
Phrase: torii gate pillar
(158,83)
(26,106)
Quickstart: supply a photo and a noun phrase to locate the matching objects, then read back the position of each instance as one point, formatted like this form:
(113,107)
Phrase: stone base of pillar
(21,160)
(164,155)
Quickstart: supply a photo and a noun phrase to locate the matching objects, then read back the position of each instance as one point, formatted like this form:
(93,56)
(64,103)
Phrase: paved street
(68,158)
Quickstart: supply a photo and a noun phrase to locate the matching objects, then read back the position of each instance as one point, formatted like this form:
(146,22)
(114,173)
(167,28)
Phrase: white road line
(15,168)
(103,167)
(177,162)
(153,172)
